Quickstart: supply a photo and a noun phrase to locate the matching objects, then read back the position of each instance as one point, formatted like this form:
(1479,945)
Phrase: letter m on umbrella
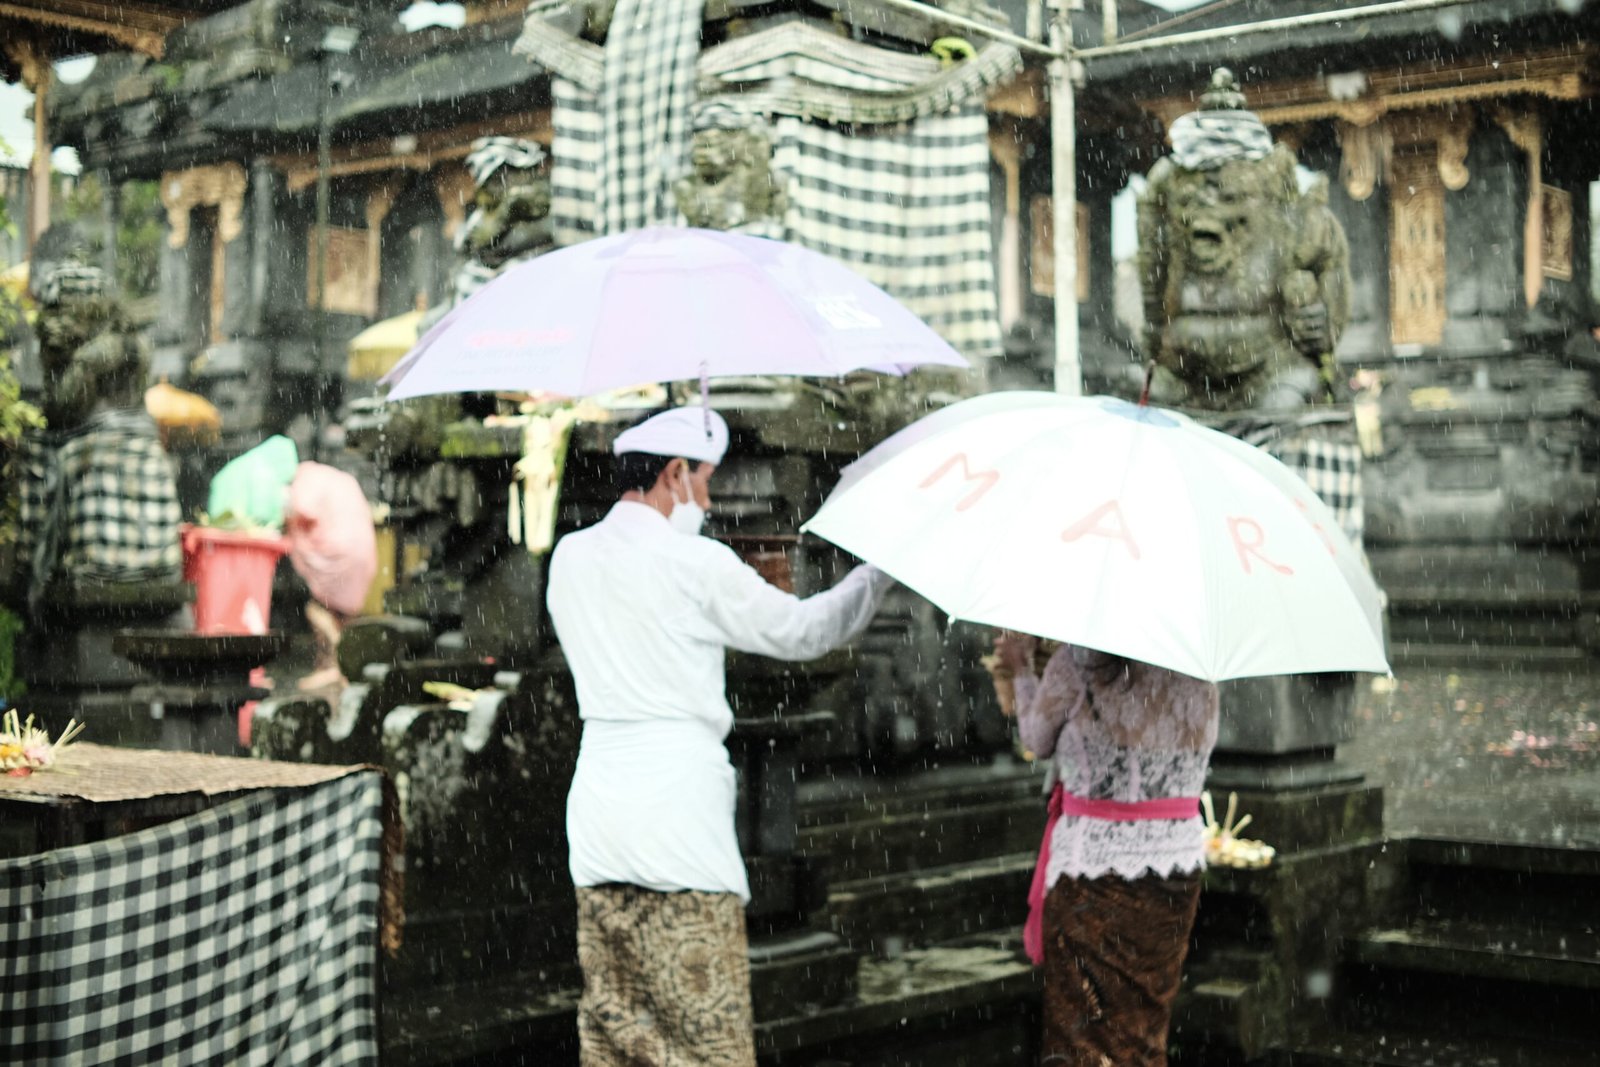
(985,480)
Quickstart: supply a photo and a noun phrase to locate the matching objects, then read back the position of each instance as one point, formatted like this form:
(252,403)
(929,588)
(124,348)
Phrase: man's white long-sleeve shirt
(644,615)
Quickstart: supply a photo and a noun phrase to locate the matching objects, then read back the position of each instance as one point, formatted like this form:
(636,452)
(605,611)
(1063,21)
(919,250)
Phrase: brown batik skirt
(1113,956)
(666,979)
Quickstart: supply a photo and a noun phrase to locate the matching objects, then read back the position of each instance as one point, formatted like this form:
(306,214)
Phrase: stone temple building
(1453,145)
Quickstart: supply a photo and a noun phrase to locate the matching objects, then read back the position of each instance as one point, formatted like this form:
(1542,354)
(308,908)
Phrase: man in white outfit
(645,608)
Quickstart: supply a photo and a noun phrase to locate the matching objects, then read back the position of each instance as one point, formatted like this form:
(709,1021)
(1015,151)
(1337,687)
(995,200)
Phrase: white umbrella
(1127,529)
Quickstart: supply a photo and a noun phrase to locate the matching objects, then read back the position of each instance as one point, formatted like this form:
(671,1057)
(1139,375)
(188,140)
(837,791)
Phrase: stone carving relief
(731,184)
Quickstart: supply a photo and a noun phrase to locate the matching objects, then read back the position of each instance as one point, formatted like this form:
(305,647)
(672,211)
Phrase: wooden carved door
(1416,250)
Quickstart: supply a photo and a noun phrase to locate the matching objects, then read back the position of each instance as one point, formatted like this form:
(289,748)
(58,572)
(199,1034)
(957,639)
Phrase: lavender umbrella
(663,305)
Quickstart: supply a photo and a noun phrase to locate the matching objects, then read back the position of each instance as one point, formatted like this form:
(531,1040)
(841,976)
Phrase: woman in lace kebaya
(1114,895)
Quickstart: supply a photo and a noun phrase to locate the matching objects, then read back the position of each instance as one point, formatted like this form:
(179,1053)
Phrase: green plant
(139,215)
(11,686)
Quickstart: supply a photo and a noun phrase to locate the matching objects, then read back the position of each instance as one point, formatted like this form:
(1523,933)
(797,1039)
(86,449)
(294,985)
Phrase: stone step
(1381,1047)
(1518,953)
(913,1004)
(1502,893)
(823,801)
(1555,657)
(918,908)
(1502,856)
(924,840)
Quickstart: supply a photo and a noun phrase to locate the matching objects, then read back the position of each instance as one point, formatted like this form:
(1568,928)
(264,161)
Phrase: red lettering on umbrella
(985,479)
(1250,545)
(1092,524)
(518,338)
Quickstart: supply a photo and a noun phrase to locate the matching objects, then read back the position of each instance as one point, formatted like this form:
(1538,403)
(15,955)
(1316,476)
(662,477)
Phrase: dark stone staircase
(1489,956)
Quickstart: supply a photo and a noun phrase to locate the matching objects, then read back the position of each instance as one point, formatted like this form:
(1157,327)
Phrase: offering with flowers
(25,748)
(1224,846)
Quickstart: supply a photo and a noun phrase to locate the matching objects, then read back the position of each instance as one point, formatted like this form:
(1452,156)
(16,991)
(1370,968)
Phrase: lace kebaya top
(1140,733)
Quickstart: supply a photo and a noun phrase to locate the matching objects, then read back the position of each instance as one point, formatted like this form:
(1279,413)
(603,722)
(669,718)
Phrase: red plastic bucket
(232,576)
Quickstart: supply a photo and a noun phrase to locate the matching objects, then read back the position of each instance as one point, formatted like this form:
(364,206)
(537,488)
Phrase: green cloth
(252,488)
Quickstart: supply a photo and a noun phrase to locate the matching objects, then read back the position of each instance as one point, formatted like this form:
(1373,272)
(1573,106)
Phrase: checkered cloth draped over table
(245,934)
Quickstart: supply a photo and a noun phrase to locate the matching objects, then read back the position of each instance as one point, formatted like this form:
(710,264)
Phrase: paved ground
(1485,755)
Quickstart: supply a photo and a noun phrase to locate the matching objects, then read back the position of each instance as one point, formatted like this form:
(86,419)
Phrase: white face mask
(687,515)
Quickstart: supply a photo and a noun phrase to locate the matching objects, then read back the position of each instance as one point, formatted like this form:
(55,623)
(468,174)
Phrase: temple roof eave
(1474,27)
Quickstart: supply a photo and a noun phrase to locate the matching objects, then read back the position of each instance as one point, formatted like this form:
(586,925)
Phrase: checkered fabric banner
(908,207)
(648,90)
(576,149)
(246,934)
(1333,471)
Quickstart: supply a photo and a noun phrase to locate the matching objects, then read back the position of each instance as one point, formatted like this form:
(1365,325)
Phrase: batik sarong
(1113,958)
(666,979)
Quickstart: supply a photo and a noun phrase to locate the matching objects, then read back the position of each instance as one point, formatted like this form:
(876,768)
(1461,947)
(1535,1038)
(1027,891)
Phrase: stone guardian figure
(731,184)
(1245,279)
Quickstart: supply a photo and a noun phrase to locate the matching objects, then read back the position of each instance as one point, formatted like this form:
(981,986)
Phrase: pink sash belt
(1063,803)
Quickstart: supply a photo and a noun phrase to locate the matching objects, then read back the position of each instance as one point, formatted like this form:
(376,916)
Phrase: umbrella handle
(705,398)
(1144,394)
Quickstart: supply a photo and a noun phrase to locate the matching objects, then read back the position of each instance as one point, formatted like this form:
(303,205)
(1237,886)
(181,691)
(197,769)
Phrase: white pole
(1163,40)
(1064,205)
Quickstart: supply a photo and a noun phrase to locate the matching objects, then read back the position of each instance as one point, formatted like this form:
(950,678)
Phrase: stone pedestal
(66,658)
(199,684)
(794,958)
(1281,732)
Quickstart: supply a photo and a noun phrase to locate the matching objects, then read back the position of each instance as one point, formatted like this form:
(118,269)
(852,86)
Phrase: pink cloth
(332,544)
(1062,803)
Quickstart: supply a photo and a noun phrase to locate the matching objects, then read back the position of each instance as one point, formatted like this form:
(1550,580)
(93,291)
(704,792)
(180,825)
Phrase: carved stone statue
(1245,279)
(510,219)
(99,501)
(731,184)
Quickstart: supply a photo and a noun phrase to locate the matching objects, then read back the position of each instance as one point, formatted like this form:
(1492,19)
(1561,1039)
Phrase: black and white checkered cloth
(648,90)
(906,205)
(1205,140)
(245,934)
(103,500)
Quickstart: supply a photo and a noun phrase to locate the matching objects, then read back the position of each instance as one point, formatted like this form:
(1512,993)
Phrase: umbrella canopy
(374,351)
(14,279)
(1127,529)
(182,417)
(666,304)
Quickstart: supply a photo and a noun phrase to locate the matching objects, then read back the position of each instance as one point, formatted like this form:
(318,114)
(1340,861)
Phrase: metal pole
(1108,21)
(320,265)
(1064,206)
(1288,22)
(950,19)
